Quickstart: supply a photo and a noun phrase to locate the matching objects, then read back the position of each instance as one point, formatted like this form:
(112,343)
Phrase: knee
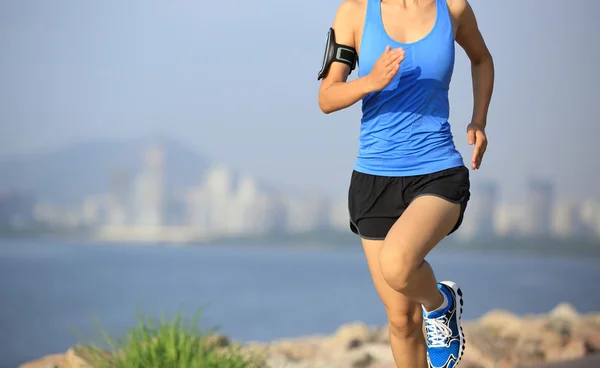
(396,268)
(405,325)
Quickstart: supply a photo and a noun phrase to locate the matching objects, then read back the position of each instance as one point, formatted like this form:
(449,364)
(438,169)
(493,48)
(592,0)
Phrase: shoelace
(438,332)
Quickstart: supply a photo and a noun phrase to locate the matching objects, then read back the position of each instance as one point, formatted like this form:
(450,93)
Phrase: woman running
(409,188)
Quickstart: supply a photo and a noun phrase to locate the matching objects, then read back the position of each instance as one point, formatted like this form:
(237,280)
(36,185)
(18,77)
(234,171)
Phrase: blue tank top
(404,127)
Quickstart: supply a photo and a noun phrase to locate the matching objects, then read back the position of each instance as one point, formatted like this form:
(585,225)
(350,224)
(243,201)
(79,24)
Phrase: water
(51,292)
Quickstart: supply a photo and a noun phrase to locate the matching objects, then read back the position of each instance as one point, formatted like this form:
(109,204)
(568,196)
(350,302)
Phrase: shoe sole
(458,295)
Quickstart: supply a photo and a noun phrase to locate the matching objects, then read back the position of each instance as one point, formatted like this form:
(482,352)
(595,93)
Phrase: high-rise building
(539,205)
(218,187)
(482,209)
(149,190)
(509,219)
(306,214)
(339,217)
(569,220)
(198,211)
(250,208)
(590,216)
(119,199)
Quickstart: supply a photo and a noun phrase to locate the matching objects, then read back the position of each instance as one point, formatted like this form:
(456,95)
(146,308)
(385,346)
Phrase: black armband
(335,52)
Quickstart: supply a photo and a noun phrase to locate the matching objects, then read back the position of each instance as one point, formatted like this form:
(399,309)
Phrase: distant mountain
(70,174)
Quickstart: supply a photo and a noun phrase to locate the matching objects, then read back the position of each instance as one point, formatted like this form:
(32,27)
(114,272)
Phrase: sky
(236,80)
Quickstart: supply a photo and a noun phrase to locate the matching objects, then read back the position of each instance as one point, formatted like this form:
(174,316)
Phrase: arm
(335,93)
(470,39)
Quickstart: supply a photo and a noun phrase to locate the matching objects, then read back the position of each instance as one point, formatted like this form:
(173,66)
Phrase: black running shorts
(376,202)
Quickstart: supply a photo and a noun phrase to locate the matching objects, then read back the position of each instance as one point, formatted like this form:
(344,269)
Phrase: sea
(56,294)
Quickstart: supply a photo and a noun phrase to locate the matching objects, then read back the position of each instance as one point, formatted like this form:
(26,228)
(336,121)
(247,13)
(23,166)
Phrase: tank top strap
(444,20)
(373,16)
(442,6)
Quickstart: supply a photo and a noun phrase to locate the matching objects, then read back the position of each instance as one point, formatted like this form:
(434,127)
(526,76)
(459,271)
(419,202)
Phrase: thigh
(426,221)
(398,307)
(451,184)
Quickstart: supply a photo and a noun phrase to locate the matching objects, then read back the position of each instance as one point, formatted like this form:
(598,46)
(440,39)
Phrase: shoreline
(520,246)
(499,339)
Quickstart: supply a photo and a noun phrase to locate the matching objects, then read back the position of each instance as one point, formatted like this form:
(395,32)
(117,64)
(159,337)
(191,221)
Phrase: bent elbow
(326,109)
(324,106)
(483,59)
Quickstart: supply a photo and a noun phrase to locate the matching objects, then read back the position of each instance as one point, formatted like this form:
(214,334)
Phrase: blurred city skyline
(76,71)
(161,192)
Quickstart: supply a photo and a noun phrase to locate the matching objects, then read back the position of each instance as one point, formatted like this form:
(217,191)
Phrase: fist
(385,68)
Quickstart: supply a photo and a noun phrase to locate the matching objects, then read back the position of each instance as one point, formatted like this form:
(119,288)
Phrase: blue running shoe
(444,334)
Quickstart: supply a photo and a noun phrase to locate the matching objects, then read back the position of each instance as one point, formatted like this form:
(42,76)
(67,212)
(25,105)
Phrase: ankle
(435,303)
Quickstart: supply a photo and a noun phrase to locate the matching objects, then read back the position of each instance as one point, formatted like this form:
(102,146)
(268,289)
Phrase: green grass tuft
(166,344)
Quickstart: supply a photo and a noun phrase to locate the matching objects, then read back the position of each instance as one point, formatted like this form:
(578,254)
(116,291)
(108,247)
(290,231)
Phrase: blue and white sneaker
(444,334)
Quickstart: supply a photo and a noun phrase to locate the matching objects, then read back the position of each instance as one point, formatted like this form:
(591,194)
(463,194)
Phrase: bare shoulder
(350,11)
(349,17)
(468,34)
(352,7)
(458,8)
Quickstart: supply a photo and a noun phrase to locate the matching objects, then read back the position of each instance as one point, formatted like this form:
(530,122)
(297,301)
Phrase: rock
(484,347)
(49,361)
(350,336)
(294,351)
(383,365)
(590,361)
(535,341)
(218,340)
(497,340)
(467,362)
(382,335)
(564,311)
(256,351)
(502,323)
(574,349)
(381,353)
(588,330)
(562,318)
(83,357)
(355,358)
(277,360)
